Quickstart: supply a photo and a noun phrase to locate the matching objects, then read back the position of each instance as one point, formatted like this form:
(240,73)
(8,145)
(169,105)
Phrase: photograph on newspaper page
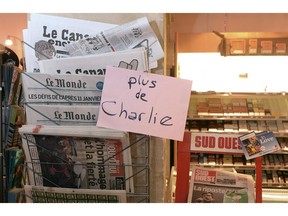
(82,157)
(210,185)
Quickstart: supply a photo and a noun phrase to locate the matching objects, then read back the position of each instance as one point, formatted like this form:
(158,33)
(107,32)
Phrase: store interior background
(194,35)
(197,43)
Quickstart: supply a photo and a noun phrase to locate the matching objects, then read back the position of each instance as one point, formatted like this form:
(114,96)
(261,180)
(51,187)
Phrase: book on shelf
(238,160)
(95,65)
(250,173)
(269,176)
(271,125)
(194,125)
(230,126)
(280,176)
(227,160)
(15,118)
(280,126)
(210,185)
(41,194)
(220,125)
(15,87)
(242,126)
(264,177)
(285,159)
(14,161)
(53,33)
(228,110)
(285,176)
(211,159)
(262,126)
(16,195)
(258,144)
(252,125)
(134,34)
(194,158)
(212,126)
(285,125)
(280,159)
(77,157)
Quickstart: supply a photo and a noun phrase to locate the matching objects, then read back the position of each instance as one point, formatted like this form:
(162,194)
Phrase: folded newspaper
(137,33)
(77,157)
(209,185)
(95,65)
(46,36)
(40,194)
(47,88)
(39,114)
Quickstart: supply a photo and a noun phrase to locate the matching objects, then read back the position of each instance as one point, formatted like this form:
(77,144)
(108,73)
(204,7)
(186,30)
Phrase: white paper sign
(144,103)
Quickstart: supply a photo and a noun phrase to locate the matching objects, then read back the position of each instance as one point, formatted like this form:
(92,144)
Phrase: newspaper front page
(77,157)
(219,186)
(40,194)
(137,33)
(46,37)
(95,65)
(47,88)
(39,114)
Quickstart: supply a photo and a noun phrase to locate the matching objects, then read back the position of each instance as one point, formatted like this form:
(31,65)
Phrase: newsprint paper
(219,186)
(137,33)
(40,114)
(77,157)
(47,88)
(40,194)
(49,35)
(95,65)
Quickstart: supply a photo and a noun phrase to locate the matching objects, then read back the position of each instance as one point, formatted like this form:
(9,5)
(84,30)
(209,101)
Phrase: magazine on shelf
(54,33)
(258,144)
(77,157)
(15,87)
(66,88)
(137,33)
(14,119)
(210,185)
(92,65)
(40,194)
(39,114)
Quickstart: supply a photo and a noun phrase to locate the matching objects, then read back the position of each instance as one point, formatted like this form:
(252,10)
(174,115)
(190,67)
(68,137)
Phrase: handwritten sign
(144,103)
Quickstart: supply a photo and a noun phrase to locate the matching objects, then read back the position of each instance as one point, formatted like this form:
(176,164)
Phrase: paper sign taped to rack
(144,103)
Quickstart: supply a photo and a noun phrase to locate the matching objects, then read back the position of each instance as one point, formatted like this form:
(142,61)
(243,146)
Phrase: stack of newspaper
(66,61)
(210,185)
(77,157)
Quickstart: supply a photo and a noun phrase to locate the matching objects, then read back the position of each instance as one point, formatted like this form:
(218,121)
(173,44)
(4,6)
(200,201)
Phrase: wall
(13,24)
(195,30)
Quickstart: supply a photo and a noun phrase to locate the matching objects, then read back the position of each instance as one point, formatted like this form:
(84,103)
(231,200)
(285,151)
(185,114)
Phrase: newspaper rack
(138,146)
(141,189)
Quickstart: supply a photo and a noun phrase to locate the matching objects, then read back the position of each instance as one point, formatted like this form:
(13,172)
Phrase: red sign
(214,142)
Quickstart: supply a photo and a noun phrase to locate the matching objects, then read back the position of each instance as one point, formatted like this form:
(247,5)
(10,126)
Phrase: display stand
(1,137)
(183,167)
